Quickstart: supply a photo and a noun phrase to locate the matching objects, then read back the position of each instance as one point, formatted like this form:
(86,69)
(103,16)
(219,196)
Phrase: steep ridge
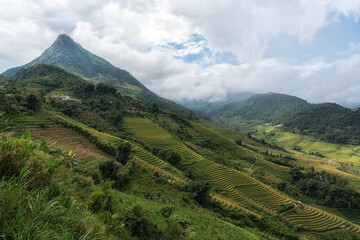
(66,53)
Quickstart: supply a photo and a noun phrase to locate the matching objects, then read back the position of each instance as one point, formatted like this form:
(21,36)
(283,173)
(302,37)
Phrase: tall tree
(33,102)
(123,152)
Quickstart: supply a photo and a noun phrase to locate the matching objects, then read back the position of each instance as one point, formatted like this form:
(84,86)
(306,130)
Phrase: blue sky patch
(196,50)
(331,42)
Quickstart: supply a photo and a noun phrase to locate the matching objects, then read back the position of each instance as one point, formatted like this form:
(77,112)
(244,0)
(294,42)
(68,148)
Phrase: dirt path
(292,209)
(323,232)
(252,165)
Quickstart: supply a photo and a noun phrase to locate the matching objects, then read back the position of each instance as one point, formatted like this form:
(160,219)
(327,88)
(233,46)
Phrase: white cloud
(132,35)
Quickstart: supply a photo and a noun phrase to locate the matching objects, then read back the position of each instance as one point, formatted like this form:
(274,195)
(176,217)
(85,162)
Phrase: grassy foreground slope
(49,194)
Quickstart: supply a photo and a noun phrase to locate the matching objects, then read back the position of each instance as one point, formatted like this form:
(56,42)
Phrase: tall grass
(28,207)
(26,214)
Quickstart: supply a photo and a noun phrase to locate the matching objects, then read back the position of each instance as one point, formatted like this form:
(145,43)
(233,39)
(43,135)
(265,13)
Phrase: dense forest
(327,121)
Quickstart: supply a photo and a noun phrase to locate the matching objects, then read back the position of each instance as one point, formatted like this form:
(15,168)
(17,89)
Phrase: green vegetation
(123,152)
(200,191)
(31,206)
(250,194)
(65,192)
(328,122)
(67,54)
(107,166)
(308,145)
(326,189)
(109,170)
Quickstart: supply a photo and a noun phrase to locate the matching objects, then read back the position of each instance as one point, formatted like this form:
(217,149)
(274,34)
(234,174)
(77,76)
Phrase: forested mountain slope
(66,53)
(327,121)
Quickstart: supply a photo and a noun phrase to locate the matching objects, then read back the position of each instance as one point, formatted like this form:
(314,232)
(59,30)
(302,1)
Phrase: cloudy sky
(202,49)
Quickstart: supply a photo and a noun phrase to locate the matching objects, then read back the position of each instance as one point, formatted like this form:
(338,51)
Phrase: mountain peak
(65,42)
(72,57)
(64,39)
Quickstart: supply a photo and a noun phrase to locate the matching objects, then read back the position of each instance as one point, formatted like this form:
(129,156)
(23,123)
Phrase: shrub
(295,173)
(200,191)
(166,211)
(18,153)
(238,142)
(174,231)
(137,220)
(121,180)
(171,157)
(123,152)
(33,102)
(4,123)
(96,177)
(130,167)
(282,185)
(109,170)
(182,221)
(100,201)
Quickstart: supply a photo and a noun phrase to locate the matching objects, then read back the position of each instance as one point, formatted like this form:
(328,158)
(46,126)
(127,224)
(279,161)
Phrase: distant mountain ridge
(328,121)
(207,107)
(266,107)
(71,56)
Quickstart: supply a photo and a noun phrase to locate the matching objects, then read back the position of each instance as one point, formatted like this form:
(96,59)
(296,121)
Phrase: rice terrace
(174,120)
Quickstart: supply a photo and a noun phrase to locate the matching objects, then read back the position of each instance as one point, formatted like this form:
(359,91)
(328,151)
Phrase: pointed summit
(64,37)
(64,41)
(59,53)
(71,56)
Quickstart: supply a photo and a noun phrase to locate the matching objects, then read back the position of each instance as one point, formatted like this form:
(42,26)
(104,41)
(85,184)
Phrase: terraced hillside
(235,187)
(239,152)
(35,120)
(244,189)
(311,218)
(247,191)
(69,140)
(152,134)
(139,152)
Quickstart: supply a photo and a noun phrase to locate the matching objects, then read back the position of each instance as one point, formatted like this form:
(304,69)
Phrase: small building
(299,205)
(65,98)
(133,109)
